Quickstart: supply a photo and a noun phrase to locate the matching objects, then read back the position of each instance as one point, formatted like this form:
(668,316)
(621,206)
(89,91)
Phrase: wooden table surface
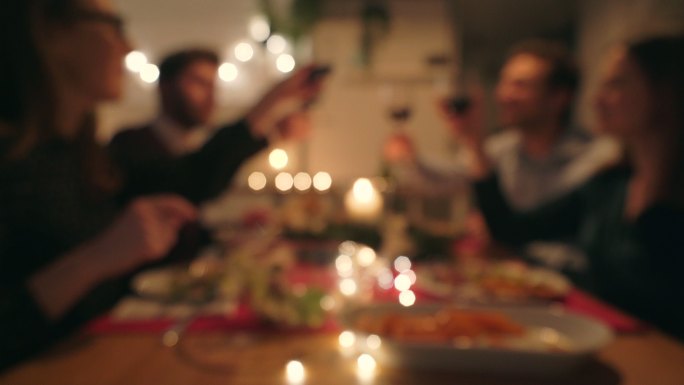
(242,358)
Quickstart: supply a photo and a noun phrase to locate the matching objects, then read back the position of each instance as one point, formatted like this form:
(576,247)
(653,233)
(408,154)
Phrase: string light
(278,159)
(284,181)
(149,73)
(322,181)
(244,52)
(228,72)
(135,61)
(302,181)
(276,44)
(259,29)
(256,181)
(285,63)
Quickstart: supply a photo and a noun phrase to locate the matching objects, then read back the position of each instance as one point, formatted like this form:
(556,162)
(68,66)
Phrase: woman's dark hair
(28,105)
(26,96)
(661,60)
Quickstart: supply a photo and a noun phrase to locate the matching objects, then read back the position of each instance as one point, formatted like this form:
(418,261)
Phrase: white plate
(517,283)
(583,335)
(198,283)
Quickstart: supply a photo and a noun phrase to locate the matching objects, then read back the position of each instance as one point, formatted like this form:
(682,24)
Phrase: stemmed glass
(398,100)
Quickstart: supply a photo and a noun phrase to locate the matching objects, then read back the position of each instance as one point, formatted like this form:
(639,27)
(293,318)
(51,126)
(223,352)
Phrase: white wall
(350,121)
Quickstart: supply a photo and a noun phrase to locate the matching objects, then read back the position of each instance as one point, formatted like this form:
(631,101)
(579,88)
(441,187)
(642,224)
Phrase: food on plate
(461,328)
(443,325)
(503,280)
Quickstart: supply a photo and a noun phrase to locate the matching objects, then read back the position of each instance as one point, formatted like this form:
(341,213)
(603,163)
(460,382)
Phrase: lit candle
(363,202)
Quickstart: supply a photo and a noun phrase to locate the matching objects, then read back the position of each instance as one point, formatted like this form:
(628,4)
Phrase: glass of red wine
(399,104)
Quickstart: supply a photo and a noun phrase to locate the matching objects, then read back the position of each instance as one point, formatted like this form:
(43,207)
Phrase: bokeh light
(344,265)
(244,52)
(365,366)
(278,159)
(285,63)
(373,342)
(294,372)
(256,181)
(322,181)
(228,72)
(402,282)
(402,263)
(348,287)
(284,181)
(135,61)
(276,44)
(302,181)
(347,339)
(366,256)
(407,298)
(386,279)
(149,73)
(259,29)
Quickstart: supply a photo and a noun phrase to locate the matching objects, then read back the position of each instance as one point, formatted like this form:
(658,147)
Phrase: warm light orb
(328,303)
(402,282)
(322,181)
(149,73)
(294,372)
(385,279)
(276,44)
(135,61)
(366,256)
(365,365)
(348,287)
(284,181)
(302,181)
(407,298)
(344,265)
(347,248)
(363,190)
(373,342)
(256,181)
(228,72)
(259,29)
(411,274)
(285,63)
(347,339)
(278,159)
(402,263)
(244,52)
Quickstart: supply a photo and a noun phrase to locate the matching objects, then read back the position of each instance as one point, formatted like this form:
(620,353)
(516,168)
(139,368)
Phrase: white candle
(363,202)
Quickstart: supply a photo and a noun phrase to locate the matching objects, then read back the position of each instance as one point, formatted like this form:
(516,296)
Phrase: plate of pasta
(502,339)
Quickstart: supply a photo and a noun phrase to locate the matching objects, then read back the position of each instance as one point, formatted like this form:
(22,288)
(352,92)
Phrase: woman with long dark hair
(74,225)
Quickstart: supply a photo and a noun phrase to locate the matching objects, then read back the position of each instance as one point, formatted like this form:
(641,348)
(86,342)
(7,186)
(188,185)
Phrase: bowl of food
(492,339)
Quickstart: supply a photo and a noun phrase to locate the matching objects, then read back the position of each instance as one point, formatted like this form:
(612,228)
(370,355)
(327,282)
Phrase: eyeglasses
(114,20)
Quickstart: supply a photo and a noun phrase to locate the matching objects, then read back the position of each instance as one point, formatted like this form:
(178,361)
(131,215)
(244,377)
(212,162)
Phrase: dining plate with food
(503,339)
(492,282)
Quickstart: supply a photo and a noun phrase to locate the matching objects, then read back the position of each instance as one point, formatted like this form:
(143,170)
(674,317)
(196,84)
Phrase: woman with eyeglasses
(629,220)
(72,225)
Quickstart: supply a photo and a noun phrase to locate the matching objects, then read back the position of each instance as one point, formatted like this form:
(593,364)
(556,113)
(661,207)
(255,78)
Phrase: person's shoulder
(133,133)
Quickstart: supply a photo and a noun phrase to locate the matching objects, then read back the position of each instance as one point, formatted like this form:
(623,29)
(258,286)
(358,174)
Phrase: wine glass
(398,100)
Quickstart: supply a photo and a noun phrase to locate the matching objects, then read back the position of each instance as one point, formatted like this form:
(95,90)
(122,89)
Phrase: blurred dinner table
(236,345)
